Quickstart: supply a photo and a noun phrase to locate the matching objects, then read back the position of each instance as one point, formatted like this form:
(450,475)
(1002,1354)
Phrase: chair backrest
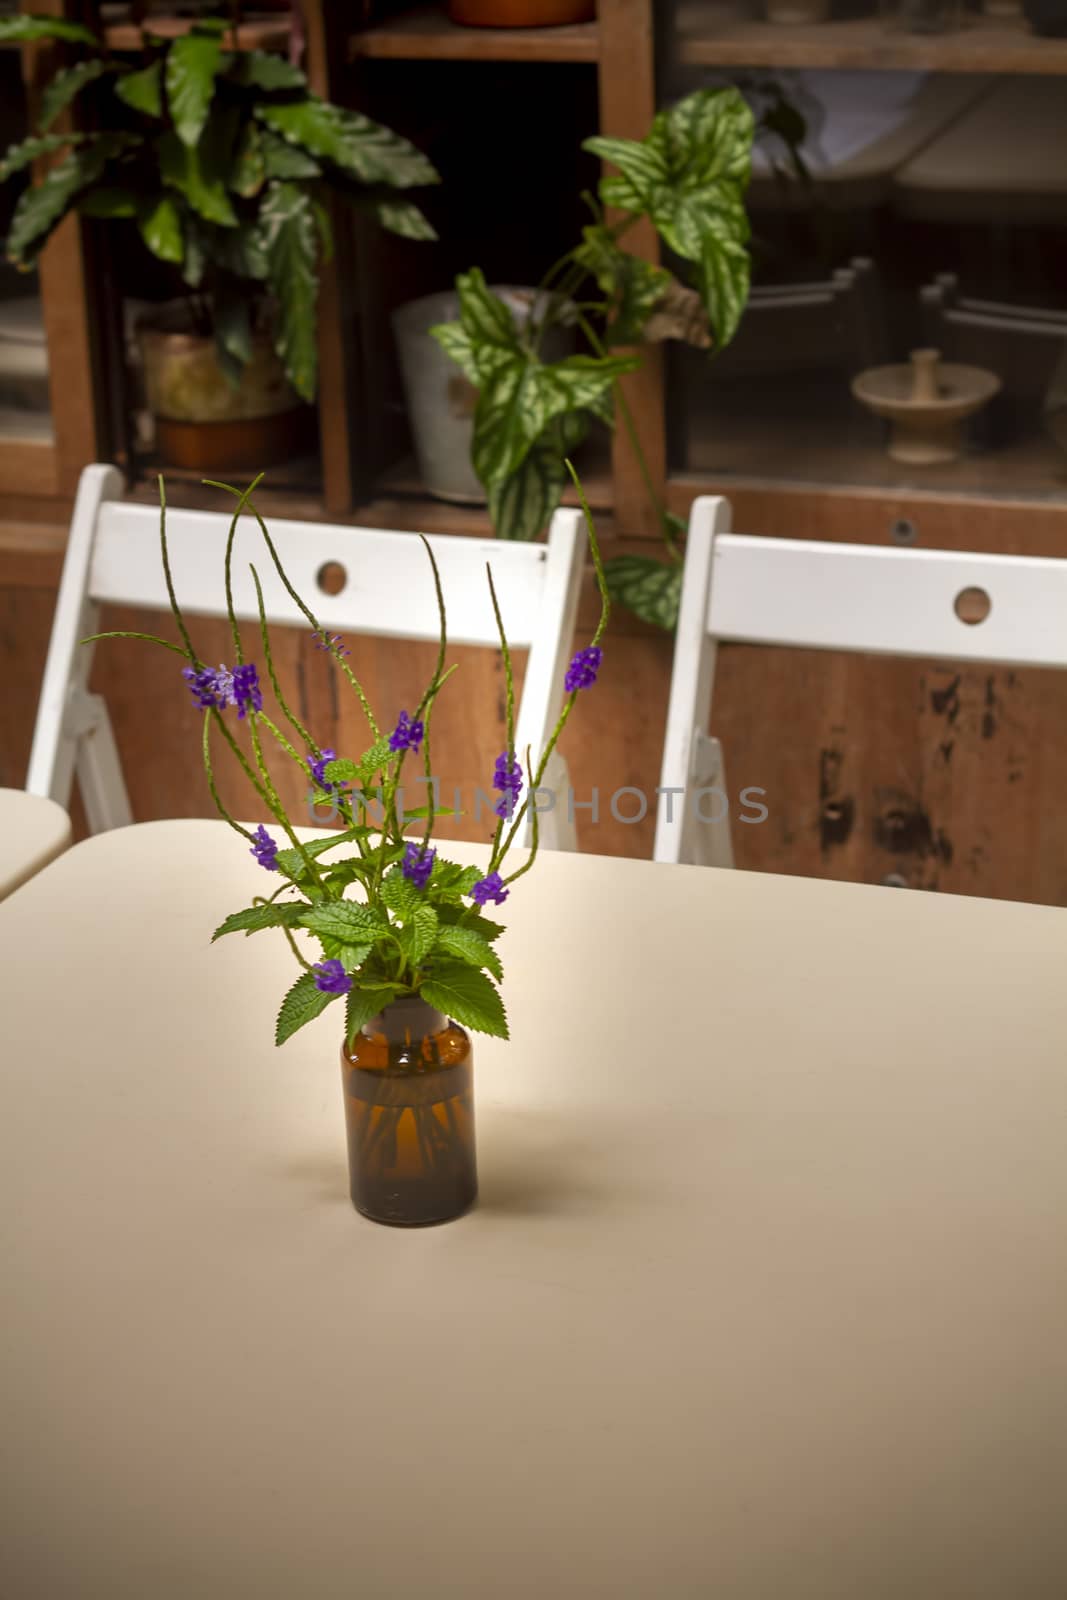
(113,556)
(935,604)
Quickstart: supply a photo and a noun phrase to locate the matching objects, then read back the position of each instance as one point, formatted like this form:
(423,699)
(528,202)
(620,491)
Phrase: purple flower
(581,674)
(418,864)
(264,849)
(331,978)
(212,688)
(507,777)
(331,642)
(246,690)
(318,768)
(489,889)
(407,735)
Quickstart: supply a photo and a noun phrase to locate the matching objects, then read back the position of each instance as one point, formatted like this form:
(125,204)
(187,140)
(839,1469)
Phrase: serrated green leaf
(418,937)
(62,89)
(301,1005)
(192,63)
(255,69)
(25,29)
(161,228)
(450,914)
(405,219)
(143,90)
(360,1006)
(42,208)
(375,760)
(648,588)
(468,996)
(278,914)
(470,947)
(199,173)
(449,878)
(19,156)
(287,227)
(344,920)
(401,895)
(291,862)
(349,141)
(351,956)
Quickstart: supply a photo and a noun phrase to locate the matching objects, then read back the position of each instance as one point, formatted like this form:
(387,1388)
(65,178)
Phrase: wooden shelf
(427,34)
(980,46)
(256,33)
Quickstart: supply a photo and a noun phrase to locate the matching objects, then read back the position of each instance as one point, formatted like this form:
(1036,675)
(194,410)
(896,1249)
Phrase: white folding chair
(113,557)
(875,600)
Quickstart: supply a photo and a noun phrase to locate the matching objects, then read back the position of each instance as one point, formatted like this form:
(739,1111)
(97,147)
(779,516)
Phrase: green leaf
(375,760)
(291,862)
(470,919)
(61,90)
(199,173)
(287,226)
(303,1003)
(143,90)
(278,914)
(43,207)
(255,69)
(520,506)
(351,956)
(282,160)
(456,343)
(249,172)
(417,938)
(468,996)
(192,62)
(470,947)
(241,251)
(634,287)
(519,399)
(689,177)
(449,878)
(648,588)
(349,141)
(232,317)
(22,155)
(401,895)
(161,228)
(345,920)
(492,334)
(405,219)
(25,29)
(360,1006)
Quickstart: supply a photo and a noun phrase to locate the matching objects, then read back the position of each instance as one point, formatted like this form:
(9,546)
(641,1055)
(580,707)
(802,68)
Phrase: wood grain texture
(427,34)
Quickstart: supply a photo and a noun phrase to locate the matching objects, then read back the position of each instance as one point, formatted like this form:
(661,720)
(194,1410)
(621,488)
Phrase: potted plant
(220,161)
(402,934)
(688,177)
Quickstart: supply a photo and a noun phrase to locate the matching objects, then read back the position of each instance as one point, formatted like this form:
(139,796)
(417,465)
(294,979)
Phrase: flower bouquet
(402,933)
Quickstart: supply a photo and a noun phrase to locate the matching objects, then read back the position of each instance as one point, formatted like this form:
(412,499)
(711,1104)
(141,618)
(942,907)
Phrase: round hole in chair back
(331,577)
(972,606)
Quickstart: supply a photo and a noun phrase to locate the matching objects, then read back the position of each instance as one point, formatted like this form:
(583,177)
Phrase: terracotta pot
(205,421)
(520,13)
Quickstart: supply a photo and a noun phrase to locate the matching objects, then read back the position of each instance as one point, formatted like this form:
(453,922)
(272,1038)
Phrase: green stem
(175,609)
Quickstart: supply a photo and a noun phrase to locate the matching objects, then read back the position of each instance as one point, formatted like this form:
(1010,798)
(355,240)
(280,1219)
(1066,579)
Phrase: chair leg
(706,840)
(103,788)
(555,827)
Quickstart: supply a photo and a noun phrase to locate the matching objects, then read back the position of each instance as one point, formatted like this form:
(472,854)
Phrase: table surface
(765,1295)
(33,831)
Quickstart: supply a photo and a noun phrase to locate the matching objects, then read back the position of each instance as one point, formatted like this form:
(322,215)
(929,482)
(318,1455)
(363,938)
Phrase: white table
(33,831)
(765,1297)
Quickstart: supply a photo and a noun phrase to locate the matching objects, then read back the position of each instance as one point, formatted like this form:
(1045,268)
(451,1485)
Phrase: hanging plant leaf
(143,91)
(249,172)
(406,220)
(350,141)
(23,155)
(26,29)
(255,69)
(42,208)
(192,63)
(287,228)
(520,507)
(282,160)
(199,173)
(161,228)
(648,588)
(62,89)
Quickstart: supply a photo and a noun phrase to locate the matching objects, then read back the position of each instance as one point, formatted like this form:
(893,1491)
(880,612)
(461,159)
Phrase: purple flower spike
(211,687)
(331,978)
(264,849)
(246,690)
(318,768)
(418,864)
(489,889)
(331,642)
(407,735)
(581,674)
(507,777)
